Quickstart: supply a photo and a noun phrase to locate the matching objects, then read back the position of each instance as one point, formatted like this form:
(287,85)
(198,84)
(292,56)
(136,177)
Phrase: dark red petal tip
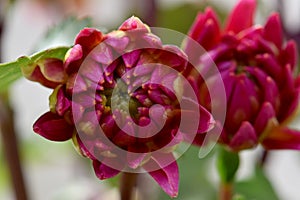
(53,127)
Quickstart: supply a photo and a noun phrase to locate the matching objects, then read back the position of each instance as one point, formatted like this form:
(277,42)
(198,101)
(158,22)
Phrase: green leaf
(256,187)
(10,72)
(58,52)
(227,165)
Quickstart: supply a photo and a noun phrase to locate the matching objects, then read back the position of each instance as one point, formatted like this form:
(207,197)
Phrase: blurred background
(54,171)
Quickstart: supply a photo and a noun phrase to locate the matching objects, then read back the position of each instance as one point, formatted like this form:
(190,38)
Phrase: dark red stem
(128,185)
(263,158)
(225,192)
(11,150)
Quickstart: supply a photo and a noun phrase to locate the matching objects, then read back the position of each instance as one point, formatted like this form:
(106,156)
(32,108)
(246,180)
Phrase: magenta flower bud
(259,73)
(124,101)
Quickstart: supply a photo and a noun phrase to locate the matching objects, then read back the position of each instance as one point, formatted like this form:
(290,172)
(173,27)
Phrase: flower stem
(11,150)
(263,158)
(227,166)
(128,184)
(225,191)
(9,138)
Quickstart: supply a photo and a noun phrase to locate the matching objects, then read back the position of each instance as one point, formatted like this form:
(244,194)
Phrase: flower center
(119,99)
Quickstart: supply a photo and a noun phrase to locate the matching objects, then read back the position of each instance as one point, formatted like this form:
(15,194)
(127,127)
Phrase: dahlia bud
(124,101)
(259,73)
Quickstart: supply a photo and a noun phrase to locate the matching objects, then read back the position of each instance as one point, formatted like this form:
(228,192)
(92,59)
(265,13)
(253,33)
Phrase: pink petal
(86,100)
(135,159)
(263,118)
(130,59)
(289,94)
(205,32)
(244,138)
(108,125)
(86,149)
(156,96)
(174,57)
(150,41)
(289,54)
(206,26)
(241,16)
(193,114)
(244,103)
(270,65)
(123,139)
(88,38)
(63,103)
(267,84)
(133,23)
(282,138)
(103,171)
(103,54)
(118,41)
(167,176)
(92,66)
(53,127)
(273,30)
(76,84)
(73,60)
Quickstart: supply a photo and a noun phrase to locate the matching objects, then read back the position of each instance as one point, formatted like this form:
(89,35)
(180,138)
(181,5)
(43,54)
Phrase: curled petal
(53,127)
(37,76)
(103,171)
(88,38)
(53,70)
(190,118)
(167,176)
(242,16)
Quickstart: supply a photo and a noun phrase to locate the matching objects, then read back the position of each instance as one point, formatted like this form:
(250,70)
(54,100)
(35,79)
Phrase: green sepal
(227,164)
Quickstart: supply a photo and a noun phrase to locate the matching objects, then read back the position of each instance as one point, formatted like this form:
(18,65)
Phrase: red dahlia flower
(259,72)
(122,99)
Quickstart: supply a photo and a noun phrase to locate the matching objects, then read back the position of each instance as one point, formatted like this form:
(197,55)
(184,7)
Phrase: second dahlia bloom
(122,99)
(259,72)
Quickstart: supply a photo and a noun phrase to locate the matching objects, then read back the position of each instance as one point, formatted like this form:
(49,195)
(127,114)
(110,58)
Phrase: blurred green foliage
(256,187)
(177,18)
(64,33)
